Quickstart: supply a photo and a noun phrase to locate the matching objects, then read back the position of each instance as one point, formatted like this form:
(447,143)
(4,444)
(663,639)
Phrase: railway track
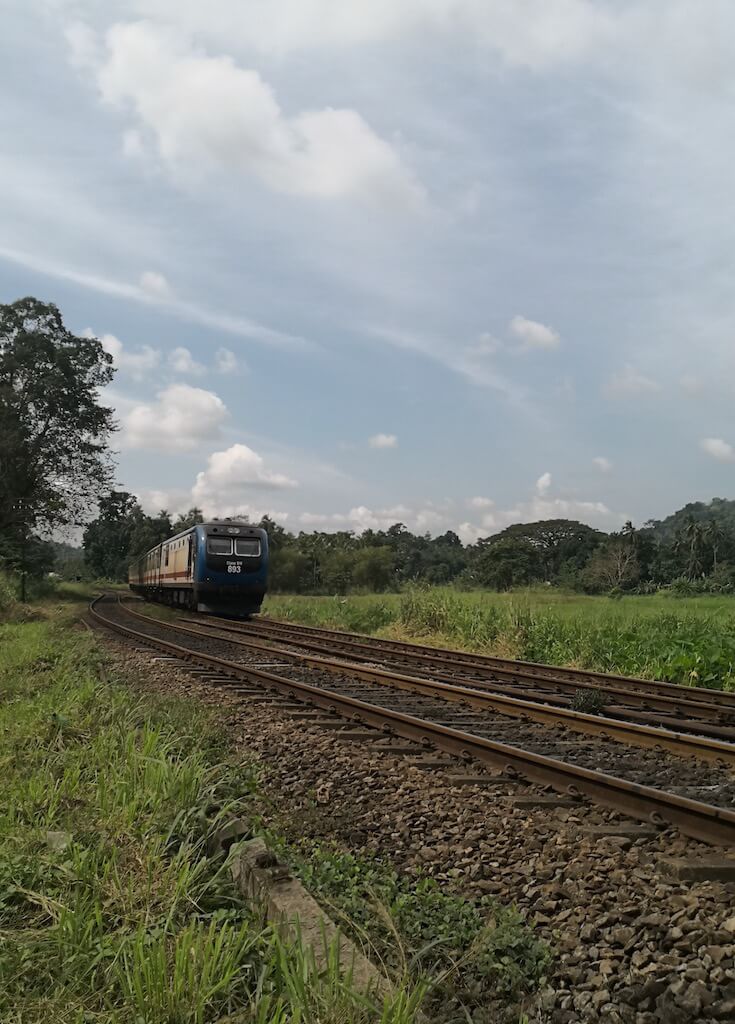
(469,695)
(472,665)
(684,713)
(652,785)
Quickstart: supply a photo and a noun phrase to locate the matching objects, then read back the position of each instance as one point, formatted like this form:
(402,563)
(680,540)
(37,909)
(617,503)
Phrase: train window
(219,545)
(247,546)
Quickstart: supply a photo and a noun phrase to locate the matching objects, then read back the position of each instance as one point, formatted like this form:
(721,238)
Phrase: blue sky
(457,263)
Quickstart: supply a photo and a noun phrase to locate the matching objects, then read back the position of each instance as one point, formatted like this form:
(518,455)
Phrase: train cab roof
(232,529)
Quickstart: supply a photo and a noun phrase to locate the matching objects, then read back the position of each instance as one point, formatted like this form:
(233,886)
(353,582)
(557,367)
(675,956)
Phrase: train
(217,567)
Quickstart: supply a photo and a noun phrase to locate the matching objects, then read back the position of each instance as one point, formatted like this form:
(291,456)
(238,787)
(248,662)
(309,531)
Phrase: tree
(373,568)
(54,456)
(121,533)
(614,565)
(509,562)
(557,541)
(289,570)
(148,531)
(107,539)
(186,520)
(689,542)
(714,535)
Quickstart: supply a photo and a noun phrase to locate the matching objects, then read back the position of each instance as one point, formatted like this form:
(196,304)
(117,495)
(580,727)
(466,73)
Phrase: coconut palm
(714,535)
(694,534)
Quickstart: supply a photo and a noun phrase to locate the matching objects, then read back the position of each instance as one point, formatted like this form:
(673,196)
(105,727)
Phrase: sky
(454,263)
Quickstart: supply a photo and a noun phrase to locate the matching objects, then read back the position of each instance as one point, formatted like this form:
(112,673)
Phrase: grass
(476,951)
(684,640)
(110,908)
(113,912)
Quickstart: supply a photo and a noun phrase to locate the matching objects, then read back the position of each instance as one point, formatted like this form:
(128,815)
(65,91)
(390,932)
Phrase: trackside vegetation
(690,641)
(113,911)
(475,952)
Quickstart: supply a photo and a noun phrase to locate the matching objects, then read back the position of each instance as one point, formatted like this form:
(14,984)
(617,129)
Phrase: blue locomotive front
(230,571)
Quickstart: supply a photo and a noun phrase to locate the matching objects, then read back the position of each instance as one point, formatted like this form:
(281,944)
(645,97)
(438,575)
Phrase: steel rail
(630,733)
(701,821)
(679,705)
(514,667)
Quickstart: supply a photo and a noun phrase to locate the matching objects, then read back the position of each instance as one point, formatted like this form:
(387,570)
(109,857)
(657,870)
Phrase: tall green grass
(111,909)
(688,641)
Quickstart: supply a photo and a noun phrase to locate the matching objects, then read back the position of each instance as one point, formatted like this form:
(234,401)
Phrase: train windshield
(247,546)
(219,545)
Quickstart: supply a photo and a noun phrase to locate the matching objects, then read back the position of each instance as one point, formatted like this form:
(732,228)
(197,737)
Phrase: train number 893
(234,567)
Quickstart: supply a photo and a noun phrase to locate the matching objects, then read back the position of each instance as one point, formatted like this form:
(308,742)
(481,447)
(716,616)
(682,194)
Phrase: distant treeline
(692,551)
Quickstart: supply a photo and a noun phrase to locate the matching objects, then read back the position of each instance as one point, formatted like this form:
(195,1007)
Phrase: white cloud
(180,419)
(630,381)
(485,344)
(207,114)
(155,284)
(469,533)
(543,483)
(425,518)
(181,361)
(383,441)
(133,145)
(467,362)
(436,519)
(721,450)
(542,506)
(533,334)
(173,501)
(137,362)
(480,502)
(83,45)
(226,361)
(534,34)
(602,463)
(188,311)
(539,507)
(226,486)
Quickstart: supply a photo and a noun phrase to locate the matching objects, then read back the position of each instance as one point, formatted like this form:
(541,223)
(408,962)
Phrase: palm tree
(714,534)
(694,535)
(631,533)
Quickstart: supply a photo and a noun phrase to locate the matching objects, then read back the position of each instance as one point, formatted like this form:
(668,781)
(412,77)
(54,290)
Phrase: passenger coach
(213,567)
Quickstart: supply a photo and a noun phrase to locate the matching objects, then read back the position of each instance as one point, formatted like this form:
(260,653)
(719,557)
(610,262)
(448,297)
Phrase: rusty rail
(631,733)
(674,706)
(514,668)
(703,822)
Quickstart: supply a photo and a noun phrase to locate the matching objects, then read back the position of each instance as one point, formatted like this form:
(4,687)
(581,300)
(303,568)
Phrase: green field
(685,640)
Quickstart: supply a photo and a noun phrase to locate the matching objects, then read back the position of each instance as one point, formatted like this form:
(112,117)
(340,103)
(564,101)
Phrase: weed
(589,702)
(687,640)
(473,950)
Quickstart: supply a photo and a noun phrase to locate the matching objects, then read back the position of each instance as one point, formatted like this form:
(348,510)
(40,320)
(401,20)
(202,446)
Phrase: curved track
(651,785)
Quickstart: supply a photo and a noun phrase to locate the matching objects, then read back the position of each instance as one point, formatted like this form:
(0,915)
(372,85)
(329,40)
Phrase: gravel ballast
(632,945)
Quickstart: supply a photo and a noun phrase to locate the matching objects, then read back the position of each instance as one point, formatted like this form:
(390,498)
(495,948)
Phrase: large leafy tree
(511,562)
(107,538)
(121,533)
(54,433)
(557,541)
